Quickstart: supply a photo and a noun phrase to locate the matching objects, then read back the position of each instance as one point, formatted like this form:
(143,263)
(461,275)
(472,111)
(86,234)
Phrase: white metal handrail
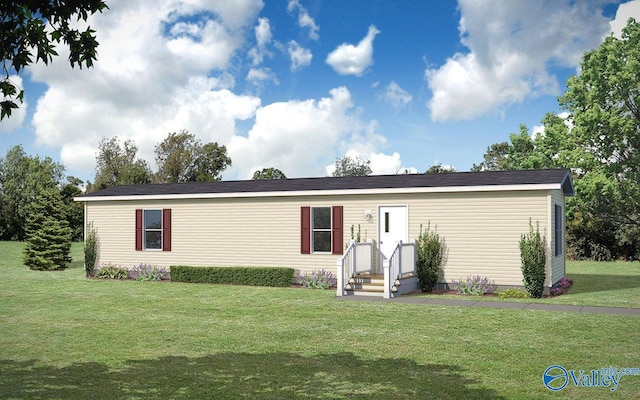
(395,266)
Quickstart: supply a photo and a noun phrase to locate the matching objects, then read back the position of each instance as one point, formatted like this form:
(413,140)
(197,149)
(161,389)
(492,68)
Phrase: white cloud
(263,38)
(16,119)
(348,59)
(396,96)
(235,14)
(263,32)
(154,75)
(511,46)
(304,19)
(258,76)
(625,11)
(211,47)
(384,164)
(295,136)
(300,57)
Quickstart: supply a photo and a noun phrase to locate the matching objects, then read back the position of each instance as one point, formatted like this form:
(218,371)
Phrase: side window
(153,229)
(321,227)
(558,229)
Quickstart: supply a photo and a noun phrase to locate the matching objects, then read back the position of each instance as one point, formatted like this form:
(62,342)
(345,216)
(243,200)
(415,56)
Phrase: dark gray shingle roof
(435,180)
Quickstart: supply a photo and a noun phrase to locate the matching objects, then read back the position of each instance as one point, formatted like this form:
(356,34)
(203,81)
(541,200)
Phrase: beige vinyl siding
(481,229)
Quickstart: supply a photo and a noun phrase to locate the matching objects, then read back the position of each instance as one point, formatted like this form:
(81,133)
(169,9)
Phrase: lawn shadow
(241,375)
(590,283)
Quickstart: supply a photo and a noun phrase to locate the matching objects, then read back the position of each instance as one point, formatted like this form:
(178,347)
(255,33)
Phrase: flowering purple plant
(562,286)
(565,283)
(147,272)
(317,280)
(474,285)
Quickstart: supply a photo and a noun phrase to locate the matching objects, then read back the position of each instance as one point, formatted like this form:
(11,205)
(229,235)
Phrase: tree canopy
(32,29)
(439,169)
(117,164)
(604,105)
(181,157)
(348,166)
(268,173)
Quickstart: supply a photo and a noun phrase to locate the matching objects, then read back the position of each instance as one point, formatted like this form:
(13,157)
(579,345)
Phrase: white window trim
(330,230)
(145,230)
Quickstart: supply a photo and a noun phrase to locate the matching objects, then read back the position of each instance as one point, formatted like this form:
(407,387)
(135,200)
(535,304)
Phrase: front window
(321,226)
(153,229)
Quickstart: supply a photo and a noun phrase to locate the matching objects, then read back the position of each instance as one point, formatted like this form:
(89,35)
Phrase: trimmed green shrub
(533,253)
(91,249)
(430,249)
(249,276)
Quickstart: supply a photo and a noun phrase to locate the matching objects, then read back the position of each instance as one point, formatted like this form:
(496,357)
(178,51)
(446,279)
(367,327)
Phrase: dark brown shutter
(305,230)
(138,230)
(166,229)
(336,230)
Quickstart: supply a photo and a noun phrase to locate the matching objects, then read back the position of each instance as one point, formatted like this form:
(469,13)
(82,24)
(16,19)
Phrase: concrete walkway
(498,304)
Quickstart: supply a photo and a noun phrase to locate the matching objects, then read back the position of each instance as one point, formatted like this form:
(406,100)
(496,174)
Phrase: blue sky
(295,84)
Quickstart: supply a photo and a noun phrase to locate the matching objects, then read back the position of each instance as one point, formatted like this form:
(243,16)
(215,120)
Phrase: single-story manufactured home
(309,223)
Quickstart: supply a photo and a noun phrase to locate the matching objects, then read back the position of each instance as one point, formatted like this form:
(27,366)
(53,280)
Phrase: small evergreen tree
(430,250)
(533,253)
(91,249)
(48,233)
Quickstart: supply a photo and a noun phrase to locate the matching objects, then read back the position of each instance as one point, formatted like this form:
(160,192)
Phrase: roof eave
(338,192)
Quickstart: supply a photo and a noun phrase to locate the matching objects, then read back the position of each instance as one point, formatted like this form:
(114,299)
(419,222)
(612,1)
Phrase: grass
(608,284)
(64,336)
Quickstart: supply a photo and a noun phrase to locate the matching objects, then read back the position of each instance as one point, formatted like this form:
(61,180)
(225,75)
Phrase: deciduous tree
(604,105)
(117,164)
(74,211)
(439,169)
(269,173)
(181,157)
(212,159)
(495,158)
(348,166)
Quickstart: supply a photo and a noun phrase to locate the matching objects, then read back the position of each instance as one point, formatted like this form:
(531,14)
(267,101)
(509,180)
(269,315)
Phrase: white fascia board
(341,192)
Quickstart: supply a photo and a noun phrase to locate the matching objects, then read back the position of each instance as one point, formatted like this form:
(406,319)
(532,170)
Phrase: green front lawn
(64,336)
(608,284)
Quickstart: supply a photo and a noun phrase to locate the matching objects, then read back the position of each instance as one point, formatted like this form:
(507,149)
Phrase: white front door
(392,227)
